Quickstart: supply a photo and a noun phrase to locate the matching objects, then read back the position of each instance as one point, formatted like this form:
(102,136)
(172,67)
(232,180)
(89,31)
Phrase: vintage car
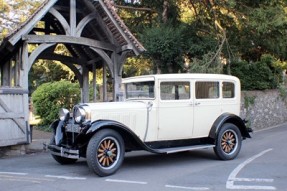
(161,114)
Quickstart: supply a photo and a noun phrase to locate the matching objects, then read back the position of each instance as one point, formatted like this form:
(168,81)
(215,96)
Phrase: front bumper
(64,152)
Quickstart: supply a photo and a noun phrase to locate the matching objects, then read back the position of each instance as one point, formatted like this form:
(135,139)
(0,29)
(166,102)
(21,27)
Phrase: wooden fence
(14,127)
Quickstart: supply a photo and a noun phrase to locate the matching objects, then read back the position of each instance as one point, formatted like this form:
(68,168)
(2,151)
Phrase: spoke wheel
(105,152)
(108,152)
(228,142)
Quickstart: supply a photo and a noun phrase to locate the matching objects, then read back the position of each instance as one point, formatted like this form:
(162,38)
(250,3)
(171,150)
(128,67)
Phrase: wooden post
(73,17)
(6,74)
(85,88)
(117,76)
(104,82)
(23,82)
(94,83)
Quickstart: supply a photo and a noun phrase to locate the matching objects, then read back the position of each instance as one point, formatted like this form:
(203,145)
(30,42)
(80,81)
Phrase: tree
(251,28)
(44,71)
(50,97)
(14,12)
(165,46)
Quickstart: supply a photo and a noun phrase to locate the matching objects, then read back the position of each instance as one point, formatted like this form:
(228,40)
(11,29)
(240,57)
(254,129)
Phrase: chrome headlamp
(64,114)
(81,114)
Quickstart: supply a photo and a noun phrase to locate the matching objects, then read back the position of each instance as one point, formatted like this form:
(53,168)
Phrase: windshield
(139,90)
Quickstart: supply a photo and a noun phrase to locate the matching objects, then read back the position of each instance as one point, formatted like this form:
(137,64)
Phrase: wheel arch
(228,118)
(54,125)
(131,140)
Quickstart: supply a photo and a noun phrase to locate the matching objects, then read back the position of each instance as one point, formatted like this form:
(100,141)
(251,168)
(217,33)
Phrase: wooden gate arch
(91,31)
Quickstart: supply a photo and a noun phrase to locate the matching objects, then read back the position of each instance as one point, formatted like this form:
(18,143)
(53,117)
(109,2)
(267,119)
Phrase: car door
(175,110)
(207,106)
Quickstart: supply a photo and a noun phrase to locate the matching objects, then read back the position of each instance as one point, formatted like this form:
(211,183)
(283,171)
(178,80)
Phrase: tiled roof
(107,12)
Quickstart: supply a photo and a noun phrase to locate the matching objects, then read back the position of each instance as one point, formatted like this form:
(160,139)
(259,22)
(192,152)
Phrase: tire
(105,152)
(59,159)
(228,142)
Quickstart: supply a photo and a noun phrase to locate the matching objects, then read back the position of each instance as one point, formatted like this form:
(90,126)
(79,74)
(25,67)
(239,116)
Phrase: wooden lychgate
(91,31)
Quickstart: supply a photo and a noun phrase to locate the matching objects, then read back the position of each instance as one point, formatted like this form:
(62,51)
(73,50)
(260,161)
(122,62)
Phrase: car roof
(180,76)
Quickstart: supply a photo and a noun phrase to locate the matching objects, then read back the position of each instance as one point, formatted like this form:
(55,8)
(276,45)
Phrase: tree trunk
(164,12)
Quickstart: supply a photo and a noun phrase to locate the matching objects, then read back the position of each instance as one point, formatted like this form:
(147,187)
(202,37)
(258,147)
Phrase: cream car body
(159,113)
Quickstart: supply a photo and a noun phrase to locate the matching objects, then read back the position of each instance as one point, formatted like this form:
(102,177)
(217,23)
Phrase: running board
(182,149)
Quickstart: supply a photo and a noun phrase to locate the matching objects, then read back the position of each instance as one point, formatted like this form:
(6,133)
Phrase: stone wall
(263,109)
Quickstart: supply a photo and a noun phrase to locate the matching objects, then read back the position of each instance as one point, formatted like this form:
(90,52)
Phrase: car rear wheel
(228,142)
(105,152)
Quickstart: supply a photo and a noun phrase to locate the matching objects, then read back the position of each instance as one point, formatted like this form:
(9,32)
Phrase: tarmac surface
(39,138)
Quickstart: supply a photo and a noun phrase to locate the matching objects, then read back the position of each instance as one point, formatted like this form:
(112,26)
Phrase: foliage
(44,71)
(13,12)
(165,45)
(188,36)
(209,63)
(50,97)
(249,102)
(260,75)
(282,92)
(136,66)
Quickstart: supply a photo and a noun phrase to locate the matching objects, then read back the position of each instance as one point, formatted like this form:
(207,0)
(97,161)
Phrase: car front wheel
(228,142)
(105,152)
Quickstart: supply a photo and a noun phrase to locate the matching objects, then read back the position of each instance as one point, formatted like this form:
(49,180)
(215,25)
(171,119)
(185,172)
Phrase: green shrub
(48,98)
(260,75)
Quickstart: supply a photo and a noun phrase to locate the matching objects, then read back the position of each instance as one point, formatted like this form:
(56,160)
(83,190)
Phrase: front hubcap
(108,152)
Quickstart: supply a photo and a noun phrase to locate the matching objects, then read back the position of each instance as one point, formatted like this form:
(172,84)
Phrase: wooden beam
(11,115)
(68,40)
(62,20)
(66,60)
(134,8)
(73,17)
(119,28)
(13,91)
(82,24)
(27,27)
(34,55)
(106,58)
(101,23)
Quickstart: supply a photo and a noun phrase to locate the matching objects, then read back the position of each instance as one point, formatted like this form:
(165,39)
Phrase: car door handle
(195,104)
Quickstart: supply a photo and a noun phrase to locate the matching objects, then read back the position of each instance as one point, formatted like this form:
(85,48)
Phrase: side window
(174,90)
(228,90)
(206,90)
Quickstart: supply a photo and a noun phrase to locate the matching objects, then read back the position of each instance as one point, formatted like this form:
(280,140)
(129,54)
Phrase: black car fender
(57,129)
(54,125)
(130,138)
(228,118)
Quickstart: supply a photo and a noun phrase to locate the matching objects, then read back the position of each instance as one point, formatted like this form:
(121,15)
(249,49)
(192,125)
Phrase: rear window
(228,90)
(206,90)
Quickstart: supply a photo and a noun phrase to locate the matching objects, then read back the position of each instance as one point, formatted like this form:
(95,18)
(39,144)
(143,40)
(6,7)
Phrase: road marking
(234,173)
(125,181)
(187,188)
(14,173)
(253,180)
(23,179)
(14,179)
(66,177)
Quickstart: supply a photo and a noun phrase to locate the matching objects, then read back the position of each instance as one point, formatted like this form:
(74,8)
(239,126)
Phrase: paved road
(261,165)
